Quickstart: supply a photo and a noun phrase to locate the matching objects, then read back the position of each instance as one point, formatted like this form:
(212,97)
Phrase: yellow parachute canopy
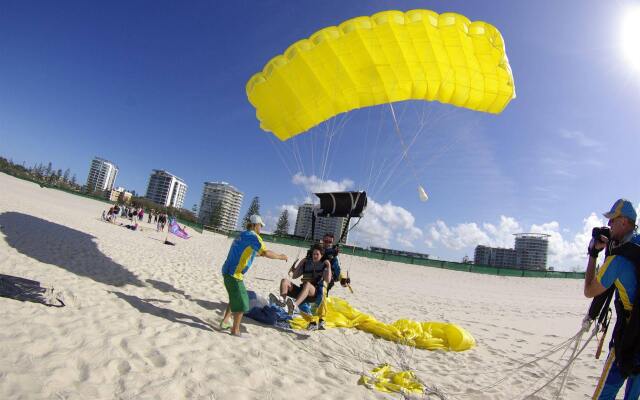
(388,57)
(423,335)
(384,379)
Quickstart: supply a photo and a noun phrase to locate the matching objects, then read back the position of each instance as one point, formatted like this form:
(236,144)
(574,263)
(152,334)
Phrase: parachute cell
(388,57)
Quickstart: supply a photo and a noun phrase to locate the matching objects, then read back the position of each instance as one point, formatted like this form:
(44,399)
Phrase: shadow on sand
(215,306)
(167,288)
(64,247)
(146,307)
(21,289)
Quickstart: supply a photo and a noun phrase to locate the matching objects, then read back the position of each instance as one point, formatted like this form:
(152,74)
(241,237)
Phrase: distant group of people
(135,215)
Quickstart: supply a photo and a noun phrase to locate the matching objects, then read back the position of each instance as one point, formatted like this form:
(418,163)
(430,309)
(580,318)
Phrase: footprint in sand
(124,367)
(156,358)
(83,371)
(124,344)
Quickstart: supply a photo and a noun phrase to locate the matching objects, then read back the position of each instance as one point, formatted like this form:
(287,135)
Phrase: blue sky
(162,85)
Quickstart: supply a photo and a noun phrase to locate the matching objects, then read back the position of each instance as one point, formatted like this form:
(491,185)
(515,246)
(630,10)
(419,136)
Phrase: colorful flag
(176,230)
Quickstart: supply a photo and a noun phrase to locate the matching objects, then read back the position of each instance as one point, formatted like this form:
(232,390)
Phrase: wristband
(593,252)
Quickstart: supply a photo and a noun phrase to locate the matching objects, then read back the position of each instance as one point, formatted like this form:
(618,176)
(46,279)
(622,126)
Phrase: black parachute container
(339,204)
(342,204)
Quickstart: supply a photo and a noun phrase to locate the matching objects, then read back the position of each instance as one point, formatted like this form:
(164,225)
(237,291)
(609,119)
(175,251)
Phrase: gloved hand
(596,246)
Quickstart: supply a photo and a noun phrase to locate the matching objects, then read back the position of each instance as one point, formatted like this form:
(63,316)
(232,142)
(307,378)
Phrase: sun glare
(630,41)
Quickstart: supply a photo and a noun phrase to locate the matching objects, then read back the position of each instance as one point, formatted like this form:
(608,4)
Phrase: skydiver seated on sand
(132,227)
(313,272)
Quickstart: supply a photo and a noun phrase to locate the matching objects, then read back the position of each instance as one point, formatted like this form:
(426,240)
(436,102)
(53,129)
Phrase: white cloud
(566,252)
(470,234)
(386,225)
(314,184)
(579,137)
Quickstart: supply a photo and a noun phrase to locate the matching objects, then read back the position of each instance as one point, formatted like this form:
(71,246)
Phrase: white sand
(138,316)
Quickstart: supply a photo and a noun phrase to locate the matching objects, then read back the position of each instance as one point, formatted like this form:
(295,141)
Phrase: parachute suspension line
(365,146)
(405,154)
(429,116)
(298,156)
(565,370)
(312,140)
(339,136)
(387,159)
(370,183)
(286,165)
(405,150)
(325,146)
(574,342)
(432,119)
(329,138)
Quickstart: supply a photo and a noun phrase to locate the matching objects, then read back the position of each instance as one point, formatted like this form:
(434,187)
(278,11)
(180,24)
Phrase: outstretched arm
(273,255)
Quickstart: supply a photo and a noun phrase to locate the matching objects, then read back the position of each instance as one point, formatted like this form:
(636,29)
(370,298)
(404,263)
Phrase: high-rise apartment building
(334,225)
(531,250)
(102,175)
(495,256)
(224,196)
(530,253)
(166,189)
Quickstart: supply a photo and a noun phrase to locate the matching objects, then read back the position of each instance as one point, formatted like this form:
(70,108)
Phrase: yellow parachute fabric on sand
(321,310)
(388,57)
(384,379)
(423,335)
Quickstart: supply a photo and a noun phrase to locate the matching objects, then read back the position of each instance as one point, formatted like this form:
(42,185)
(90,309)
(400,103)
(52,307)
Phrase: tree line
(41,174)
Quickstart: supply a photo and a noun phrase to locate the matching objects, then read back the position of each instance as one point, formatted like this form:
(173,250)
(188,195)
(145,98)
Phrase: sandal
(224,325)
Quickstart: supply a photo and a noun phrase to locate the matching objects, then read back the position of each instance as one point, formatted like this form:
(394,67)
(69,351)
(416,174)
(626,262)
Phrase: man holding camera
(622,245)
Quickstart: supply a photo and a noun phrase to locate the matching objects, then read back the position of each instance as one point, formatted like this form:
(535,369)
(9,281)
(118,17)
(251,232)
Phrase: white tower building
(166,189)
(225,196)
(102,175)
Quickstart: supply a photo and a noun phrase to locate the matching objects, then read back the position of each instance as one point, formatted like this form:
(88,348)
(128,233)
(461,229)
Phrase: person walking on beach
(241,254)
(619,269)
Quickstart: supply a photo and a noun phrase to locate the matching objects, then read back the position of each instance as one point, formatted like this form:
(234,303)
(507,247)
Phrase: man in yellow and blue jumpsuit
(620,271)
(241,255)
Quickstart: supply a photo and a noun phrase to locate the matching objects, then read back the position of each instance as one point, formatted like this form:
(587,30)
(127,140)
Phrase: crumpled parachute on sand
(423,335)
(384,379)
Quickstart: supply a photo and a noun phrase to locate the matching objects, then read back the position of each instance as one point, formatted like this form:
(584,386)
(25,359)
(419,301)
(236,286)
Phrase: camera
(601,231)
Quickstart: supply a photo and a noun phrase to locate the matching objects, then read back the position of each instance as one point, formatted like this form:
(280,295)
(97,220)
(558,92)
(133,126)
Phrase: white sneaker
(291,306)
(273,299)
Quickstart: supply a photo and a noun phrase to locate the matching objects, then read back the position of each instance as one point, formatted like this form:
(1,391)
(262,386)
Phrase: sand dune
(140,318)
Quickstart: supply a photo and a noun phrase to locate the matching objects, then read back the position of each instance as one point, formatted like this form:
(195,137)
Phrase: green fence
(455,266)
